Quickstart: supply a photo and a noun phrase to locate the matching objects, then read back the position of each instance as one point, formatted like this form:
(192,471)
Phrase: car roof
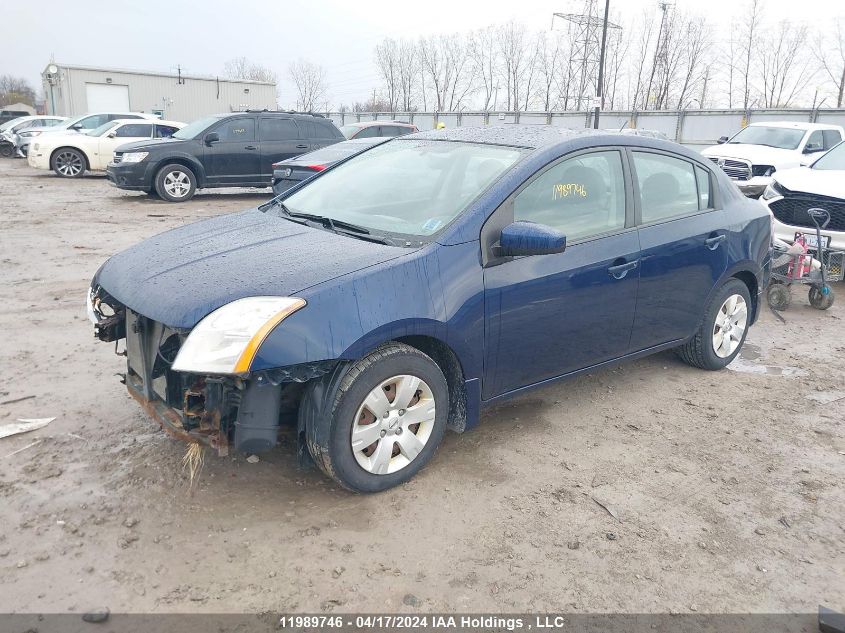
(516,135)
(363,124)
(161,121)
(796,125)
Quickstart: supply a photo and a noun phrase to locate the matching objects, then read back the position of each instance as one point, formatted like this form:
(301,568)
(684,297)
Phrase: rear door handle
(620,270)
(713,242)
(301,147)
(250,147)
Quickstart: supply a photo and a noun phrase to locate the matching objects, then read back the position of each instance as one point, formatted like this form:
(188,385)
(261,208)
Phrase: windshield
(780,137)
(834,159)
(99,131)
(405,187)
(192,129)
(349,130)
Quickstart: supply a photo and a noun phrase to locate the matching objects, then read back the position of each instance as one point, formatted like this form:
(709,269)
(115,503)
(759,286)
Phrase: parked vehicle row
(11,130)
(754,154)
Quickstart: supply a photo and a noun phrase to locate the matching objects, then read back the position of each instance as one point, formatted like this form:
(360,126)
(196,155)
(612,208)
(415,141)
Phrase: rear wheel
(68,163)
(175,183)
(821,298)
(388,419)
(723,329)
(7,150)
(779,297)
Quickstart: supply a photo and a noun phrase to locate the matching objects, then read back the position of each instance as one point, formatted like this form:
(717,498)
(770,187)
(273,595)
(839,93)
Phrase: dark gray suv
(224,150)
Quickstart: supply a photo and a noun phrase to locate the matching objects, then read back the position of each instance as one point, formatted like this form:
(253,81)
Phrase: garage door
(107,98)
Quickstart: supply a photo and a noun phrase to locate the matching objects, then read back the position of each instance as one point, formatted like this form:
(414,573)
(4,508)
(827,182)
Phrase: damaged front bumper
(241,412)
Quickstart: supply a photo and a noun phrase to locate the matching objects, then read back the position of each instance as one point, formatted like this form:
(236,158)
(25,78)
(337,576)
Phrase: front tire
(388,418)
(779,297)
(68,163)
(175,183)
(722,331)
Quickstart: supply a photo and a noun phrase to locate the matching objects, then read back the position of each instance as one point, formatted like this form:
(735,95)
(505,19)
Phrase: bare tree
(548,65)
(511,42)
(310,82)
(784,68)
(748,47)
(695,42)
(15,90)
(243,68)
(482,51)
(831,57)
(387,60)
(445,65)
(408,62)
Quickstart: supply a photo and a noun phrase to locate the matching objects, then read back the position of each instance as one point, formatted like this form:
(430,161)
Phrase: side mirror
(76,127)
(530,238)
(812,148)
(112,134)
(722,139)
(211,138)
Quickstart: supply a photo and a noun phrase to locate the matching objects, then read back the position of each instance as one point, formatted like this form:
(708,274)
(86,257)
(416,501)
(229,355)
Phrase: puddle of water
(746,363)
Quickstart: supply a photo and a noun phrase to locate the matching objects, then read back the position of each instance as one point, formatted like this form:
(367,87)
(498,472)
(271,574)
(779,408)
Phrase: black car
(288,173)
(225,150)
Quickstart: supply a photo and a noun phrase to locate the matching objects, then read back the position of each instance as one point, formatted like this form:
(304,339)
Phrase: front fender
(178,157)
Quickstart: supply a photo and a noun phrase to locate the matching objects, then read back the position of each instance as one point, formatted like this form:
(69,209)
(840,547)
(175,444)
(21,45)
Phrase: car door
(280,139)
(125,133)
(683,238)
(548,315)
(234,157)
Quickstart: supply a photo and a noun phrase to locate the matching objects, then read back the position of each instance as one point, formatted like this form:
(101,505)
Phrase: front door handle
(620,270)
(250,147)
(301,147)
(713,242)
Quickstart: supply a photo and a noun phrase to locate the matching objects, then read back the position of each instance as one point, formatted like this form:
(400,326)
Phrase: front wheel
(175,183)
(387,421)
(723,329)
(69,163)
(821,298)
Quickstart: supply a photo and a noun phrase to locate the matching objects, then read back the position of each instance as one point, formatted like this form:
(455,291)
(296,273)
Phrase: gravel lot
(727,488)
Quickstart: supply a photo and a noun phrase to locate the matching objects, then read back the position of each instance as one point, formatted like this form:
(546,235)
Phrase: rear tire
(68,162)
(722,331)
(821,300)
(175,183)
(779,297)
(395,438)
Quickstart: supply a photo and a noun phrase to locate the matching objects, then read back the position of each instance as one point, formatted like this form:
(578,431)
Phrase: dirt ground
(727,487)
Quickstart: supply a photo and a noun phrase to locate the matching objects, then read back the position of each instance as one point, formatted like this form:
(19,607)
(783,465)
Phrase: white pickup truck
(753,154)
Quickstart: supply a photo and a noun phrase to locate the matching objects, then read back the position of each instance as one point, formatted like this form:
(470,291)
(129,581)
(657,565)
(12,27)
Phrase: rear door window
(142,130)
(705,195)
(236,130)
(94,121)
(277,129)
(668,187)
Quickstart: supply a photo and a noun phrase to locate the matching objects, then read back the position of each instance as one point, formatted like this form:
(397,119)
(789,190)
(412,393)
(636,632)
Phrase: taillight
(317,167)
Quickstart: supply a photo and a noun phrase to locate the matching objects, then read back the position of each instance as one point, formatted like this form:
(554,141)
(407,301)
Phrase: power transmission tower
(585,33)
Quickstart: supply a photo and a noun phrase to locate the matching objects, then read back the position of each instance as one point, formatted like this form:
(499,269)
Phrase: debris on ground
(24,425)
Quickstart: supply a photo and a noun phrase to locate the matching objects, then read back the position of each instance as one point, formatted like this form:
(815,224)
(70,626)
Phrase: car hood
(151,144)
(822,182)
(180,276)
(757,154)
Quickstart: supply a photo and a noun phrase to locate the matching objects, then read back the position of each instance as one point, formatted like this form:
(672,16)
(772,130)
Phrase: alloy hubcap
(393,424)
(69,164)
(177,183)
(731,321)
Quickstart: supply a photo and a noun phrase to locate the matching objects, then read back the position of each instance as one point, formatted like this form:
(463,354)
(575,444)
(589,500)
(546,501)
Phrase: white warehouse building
(73,90)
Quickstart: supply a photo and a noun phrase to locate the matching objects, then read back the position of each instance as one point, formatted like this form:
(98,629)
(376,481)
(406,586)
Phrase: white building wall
(191,99)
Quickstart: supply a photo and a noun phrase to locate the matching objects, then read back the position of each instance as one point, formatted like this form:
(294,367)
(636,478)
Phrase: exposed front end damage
(241,412)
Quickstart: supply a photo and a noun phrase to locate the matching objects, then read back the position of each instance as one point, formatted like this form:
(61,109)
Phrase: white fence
(690,127)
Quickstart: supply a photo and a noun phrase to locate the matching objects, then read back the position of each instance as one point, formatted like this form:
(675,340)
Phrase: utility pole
(599,86)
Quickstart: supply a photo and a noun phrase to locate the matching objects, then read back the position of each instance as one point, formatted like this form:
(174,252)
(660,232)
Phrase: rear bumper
(131,176)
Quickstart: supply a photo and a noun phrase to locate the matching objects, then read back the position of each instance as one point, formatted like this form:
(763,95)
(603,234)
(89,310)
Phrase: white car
(72,154)
(10,129)
(82,123)
(753,154)
(822,185)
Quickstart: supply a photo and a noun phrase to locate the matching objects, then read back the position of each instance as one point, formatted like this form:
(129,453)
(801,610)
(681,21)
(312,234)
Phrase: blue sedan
(394,295)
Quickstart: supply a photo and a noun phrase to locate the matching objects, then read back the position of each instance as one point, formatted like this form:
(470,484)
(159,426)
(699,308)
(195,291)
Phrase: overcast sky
(200,36)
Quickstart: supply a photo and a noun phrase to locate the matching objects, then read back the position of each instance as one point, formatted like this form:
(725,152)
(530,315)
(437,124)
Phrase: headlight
(29,134)
(134,157)
(772,190)
(225,342)
(89,306)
